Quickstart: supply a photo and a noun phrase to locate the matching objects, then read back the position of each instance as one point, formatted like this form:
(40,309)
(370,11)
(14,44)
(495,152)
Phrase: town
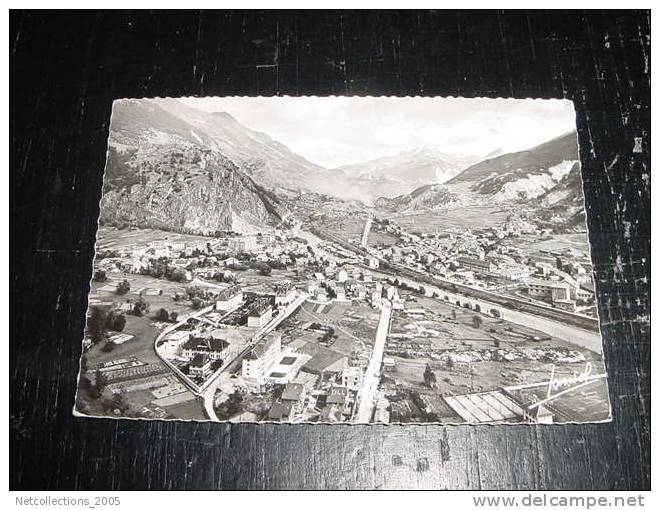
(298,324)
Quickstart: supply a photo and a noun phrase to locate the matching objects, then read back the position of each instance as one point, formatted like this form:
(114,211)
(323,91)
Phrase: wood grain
(67,68)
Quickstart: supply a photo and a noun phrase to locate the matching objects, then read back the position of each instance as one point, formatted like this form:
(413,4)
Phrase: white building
(229,298)
(258,362)
(260,313)
(352,378)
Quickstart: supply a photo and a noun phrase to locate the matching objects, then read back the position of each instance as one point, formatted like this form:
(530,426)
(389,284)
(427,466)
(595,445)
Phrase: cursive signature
(576,378)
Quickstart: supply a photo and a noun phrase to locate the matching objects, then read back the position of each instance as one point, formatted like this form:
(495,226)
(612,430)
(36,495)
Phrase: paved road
(208,393)
(367,393)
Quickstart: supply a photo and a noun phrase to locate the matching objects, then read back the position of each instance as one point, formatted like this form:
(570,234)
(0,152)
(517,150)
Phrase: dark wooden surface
(67,69)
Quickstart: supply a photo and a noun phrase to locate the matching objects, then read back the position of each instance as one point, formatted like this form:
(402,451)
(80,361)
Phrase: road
(580,321)
(367,393)
(587,338)
(572,334)
(210,387)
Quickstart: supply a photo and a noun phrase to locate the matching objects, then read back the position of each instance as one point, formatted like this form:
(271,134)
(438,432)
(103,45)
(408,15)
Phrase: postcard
(343,260)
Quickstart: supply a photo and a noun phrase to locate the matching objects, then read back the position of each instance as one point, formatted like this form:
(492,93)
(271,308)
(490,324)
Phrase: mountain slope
(160,173)
(404,172)
(525,174)
(266,160)
(430,196)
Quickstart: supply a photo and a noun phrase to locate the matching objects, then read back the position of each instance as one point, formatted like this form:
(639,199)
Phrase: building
(372,262)
(352,378)
(476,265)
(285,294)
(214,348)
(229,298)
(514,272)
(200,366)
(258,362)
(293,392)
(260,313)
(389,365)
(548,289)
(243,244)
(337,395)
(281,411)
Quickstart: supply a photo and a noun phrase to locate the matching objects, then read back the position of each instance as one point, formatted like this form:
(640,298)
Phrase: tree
(174,316)
(96,324)
(140,307)
(116,320)
(100,383)
(429,376)
(196,303)
(109,346)
(496,342)
(100,276)
(453,314)
(476,321)
(123,287)
(163,315)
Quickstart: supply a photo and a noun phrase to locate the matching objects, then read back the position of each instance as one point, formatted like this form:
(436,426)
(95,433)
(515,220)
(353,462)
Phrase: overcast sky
(334,131)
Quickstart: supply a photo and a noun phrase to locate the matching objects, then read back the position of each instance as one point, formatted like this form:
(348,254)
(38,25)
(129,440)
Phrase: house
(258,362)
(342,275)
(293,392)
(476,265)
(280,411)
(372,262)
(229,298)
(389,365)
(200,366)
(260,313)
(243,244)
(544,288)
(351,378)
(337,395)
(331,414)
(215,348)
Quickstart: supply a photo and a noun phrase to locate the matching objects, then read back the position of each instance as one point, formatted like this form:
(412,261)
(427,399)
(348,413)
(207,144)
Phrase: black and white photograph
(343,260)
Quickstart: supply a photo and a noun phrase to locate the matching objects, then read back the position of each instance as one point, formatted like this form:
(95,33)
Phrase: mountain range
(548,173)
(175,167)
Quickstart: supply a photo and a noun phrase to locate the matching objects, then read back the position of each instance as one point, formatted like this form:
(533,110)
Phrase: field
(483,358)
(354,326)
(557,243)
(351,228)
(142,346)
(112,238)
(469,217)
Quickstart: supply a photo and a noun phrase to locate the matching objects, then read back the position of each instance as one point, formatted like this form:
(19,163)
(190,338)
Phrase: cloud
(335,131)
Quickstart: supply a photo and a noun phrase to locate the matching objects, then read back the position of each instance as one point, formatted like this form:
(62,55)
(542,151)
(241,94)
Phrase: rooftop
(205,344)
(228,293)
(260,307)
(263,345)
(280,410)
(293,391)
